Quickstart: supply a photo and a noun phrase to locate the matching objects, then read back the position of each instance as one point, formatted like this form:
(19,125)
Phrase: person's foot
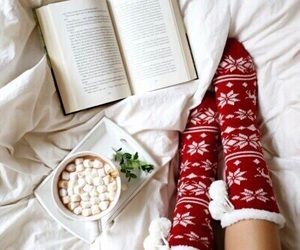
(247,177)
(191,227)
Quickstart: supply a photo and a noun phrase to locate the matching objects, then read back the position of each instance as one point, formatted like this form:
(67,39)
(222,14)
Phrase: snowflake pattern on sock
(198,157)
(231,113)
(246,173)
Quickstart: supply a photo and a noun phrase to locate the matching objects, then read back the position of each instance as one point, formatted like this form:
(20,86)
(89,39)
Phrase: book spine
(193,59)
(41,37)
(42,40)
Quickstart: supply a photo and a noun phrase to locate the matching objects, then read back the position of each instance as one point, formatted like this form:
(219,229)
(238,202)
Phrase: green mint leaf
(133,176)
(126,156)
(129,163)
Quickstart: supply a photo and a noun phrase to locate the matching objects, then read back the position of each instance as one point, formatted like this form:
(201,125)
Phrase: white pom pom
(166,224)
(160,227)
(155,229)
(218,190)
(151,242)
(216,210)
(163,248)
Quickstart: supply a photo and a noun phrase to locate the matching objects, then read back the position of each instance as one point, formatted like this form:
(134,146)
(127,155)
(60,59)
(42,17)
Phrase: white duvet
(35,135)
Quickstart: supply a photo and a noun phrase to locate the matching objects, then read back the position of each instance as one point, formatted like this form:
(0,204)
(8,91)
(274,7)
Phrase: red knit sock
(191,227)
(247,176)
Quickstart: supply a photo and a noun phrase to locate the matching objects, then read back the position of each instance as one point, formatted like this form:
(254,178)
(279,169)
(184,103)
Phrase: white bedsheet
(35,136)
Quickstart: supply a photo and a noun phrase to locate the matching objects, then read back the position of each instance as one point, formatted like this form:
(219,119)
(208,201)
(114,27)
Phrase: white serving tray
(103,138)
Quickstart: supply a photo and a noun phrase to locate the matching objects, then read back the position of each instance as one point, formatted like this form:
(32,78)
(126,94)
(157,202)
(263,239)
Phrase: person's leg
(247,178)
(252,234)
(191,227)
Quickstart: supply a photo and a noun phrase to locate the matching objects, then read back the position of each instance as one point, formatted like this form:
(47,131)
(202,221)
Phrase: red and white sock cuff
(237,215)
(221,208)
(183,247)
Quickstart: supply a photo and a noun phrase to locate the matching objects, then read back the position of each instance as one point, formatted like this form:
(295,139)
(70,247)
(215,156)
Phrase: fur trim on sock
(181,247)
(251,213)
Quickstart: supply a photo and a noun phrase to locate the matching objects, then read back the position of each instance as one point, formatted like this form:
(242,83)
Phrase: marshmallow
(101,172)
(87,163)
(79,168)
(85,204)
(62,192)
(73,176)
(95,209)
(66,199)
(85,197)
(108,169)
(88,172)
(86,212)
(94,192)
(63,184)
(70,191)
(78,190)
(94,200)
(94,173)
(75,197)
(103,196)
(103,205)
(77,210)
(101,189)
(111,196)
(87,188)
(89,179)
(81,174)
(114,173)
(71,183)
(81,182)
(112,186)
(65,175)
(71,167)
(73,205)
(78,161)
(106,179)
(97,181)
(97,164)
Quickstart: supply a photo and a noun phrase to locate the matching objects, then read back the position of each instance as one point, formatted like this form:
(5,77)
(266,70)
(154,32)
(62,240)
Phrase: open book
(102,51)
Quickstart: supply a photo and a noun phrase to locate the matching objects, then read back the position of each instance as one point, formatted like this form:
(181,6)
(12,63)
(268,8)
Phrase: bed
(35,135)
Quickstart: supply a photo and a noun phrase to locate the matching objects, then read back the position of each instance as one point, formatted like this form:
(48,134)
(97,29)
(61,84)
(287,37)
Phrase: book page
(150,43)
(92,67)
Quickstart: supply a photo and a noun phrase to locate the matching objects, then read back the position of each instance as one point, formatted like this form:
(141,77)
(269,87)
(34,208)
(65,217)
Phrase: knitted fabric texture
(230,112)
